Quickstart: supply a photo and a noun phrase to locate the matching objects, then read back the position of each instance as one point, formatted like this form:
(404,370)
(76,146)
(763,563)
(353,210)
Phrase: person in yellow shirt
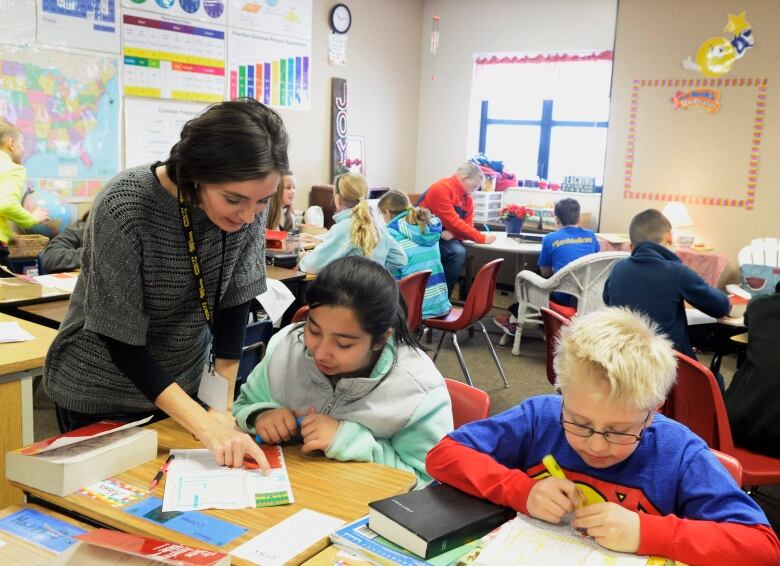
(12,180)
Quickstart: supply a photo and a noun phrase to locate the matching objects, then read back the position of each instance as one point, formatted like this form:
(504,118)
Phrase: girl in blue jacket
(364,388)
(355,231)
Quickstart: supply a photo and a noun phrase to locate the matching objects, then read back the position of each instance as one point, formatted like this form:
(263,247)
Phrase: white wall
(382,72)
(469,27)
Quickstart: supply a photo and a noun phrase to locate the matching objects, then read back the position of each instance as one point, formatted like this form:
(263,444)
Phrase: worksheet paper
(195,481)
(12,332)
(285,540)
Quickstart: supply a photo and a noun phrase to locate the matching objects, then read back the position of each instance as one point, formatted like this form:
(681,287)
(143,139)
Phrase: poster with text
(212,11)
(79,23)
(269,51)
(153,127)
(67,107)
(166,57)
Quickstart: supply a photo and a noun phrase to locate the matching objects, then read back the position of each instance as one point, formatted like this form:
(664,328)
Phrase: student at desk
(648,484)
(63,252)
(355,232)
(172,258)
(365,389)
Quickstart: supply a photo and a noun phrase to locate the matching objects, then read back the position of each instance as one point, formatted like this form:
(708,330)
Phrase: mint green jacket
(394,416)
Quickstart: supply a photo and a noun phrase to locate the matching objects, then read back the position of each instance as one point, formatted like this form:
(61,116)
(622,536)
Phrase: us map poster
(269,52)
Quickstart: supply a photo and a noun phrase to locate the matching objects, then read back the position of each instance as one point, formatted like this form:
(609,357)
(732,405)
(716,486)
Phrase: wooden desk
(340,489)
(503,246)
(19,363)
(740,338)
(283,274)
(19,551)
(49,314)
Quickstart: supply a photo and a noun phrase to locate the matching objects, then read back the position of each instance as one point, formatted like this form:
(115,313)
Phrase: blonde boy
(650,485)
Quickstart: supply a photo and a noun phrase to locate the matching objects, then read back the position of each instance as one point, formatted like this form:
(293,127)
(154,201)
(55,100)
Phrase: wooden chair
(478,304)
(584,278)
(553,322)
(468,403)
(412,289)
(696,401)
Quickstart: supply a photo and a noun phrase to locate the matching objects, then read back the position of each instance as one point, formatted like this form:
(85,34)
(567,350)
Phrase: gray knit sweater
(136,286)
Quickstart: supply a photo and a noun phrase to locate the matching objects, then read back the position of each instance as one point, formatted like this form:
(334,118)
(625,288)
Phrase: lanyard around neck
(192,248)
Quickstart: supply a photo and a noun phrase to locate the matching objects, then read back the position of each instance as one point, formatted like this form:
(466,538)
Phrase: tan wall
(382,72)
(690,152)
(469,27)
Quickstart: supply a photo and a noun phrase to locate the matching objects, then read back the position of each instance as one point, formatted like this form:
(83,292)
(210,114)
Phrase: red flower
(514,211)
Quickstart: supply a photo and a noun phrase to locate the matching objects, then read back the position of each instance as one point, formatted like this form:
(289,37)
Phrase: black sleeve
(231,327)
(140,367)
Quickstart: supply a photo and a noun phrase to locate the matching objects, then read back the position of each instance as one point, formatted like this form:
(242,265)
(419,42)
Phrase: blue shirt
(565,245)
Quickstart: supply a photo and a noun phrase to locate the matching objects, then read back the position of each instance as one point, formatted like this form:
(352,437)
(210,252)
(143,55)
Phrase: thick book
(433,520)
(104,547)
(13,286)
(63,470)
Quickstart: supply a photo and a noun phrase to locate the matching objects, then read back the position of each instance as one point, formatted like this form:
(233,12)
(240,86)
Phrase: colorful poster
(269,51)
(212,11)
(273,69)
(17,22)
(79,23)
(67,107)
(167,57)
(153,126)
(279,17)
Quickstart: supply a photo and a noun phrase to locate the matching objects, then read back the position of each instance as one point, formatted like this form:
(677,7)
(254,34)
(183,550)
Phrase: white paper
(337,49)
(196,481)
(62,281)
(287,539)
(276,300)
(695,316)
(738,291)
(12,332)
(213,390)
(153,126)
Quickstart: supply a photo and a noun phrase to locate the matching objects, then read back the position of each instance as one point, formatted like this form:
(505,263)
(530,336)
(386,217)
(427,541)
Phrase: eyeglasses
(623,438)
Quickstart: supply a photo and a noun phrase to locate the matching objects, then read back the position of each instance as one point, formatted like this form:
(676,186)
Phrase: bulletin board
(688,136)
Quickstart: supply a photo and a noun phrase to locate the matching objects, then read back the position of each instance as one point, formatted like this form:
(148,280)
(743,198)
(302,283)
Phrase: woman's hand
(276,425)
(223,417)
(318,431)
(229,445)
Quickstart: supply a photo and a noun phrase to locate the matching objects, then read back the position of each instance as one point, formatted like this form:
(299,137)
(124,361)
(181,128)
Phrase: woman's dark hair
(237,140)
(368,289)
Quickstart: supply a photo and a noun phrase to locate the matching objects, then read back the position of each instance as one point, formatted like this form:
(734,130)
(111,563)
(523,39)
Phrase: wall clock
(340,18)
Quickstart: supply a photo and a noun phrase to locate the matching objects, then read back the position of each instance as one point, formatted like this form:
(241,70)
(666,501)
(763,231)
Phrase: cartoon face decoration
(715,57)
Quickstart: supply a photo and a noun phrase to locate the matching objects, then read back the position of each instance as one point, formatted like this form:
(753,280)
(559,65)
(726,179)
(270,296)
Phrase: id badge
(213,389)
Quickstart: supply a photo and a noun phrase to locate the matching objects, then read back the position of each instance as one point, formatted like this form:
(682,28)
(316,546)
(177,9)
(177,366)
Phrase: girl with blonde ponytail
(355,231)
(418,232)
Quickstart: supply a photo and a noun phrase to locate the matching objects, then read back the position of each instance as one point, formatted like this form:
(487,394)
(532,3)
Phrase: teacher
(173,254)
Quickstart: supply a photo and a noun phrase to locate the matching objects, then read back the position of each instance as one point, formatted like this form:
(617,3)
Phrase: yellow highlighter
(557,472)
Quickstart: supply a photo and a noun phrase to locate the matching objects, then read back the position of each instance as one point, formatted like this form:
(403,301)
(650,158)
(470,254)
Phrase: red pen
(158,476)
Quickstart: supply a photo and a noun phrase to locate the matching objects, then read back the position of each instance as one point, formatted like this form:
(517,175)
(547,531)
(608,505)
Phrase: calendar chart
(172,58)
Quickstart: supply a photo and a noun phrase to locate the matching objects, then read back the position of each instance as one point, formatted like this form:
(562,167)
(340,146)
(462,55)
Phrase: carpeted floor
(526,375)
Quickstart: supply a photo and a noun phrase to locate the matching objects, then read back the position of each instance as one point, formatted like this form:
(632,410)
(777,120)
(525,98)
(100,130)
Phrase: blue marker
(259,440)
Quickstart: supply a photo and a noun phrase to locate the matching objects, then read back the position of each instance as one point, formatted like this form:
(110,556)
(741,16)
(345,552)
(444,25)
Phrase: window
(544,115)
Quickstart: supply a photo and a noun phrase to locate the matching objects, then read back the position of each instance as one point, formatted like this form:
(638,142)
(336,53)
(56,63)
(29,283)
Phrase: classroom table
(708,333)
(49,314)
(339,489)
(709,264)
(504,245)
(19,363)
(17,550)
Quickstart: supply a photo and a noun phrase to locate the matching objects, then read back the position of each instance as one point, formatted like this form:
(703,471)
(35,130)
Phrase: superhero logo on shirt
(599,491)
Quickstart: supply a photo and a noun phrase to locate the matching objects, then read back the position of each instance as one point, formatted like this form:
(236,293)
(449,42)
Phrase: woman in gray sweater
(173,254)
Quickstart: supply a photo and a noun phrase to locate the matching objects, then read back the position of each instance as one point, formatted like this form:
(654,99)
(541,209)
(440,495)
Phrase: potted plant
(513,216)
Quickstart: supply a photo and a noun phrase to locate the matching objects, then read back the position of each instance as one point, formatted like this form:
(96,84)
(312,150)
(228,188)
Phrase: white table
(503,245)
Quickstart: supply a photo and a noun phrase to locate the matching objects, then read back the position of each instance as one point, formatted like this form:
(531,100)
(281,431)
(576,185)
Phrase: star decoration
(737,24)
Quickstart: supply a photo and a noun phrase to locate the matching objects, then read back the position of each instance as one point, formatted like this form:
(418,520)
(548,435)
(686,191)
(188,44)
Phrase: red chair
(553,322)
(732,465)
(412,288)
(301,314)
(468,403)
(478,304)
(696,401)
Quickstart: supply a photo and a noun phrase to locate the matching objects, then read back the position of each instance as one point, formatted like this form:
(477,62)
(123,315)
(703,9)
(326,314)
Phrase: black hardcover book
(433,520)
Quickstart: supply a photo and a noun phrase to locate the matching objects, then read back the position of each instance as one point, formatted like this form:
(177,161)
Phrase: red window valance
(544,58)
